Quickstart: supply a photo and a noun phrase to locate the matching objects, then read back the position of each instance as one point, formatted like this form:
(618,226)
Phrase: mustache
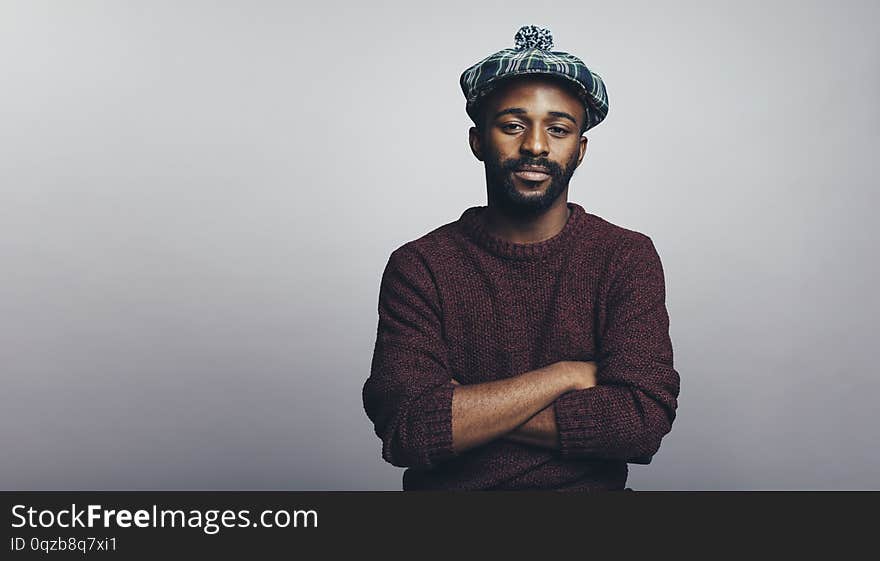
(513,165)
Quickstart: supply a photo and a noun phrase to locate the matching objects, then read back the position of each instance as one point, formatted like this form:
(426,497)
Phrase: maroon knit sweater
(461,303)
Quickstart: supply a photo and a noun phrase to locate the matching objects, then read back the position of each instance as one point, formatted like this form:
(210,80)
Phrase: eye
(510,127)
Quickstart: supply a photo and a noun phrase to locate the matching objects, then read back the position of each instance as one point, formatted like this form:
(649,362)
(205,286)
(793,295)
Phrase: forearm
(540,430)
(484,412)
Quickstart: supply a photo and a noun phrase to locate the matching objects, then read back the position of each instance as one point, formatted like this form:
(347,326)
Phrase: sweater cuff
(577,425)
(437,416)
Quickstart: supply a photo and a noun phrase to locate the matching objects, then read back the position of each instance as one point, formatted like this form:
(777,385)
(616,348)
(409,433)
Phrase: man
(526,344)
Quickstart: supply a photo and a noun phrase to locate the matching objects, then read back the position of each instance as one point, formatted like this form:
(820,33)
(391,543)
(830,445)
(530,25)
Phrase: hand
(581,374)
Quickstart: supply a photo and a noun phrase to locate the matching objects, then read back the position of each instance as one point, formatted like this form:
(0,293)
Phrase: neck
(530,229)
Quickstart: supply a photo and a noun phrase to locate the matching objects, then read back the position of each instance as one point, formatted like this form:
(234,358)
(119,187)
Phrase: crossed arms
(518,408)
(617,408)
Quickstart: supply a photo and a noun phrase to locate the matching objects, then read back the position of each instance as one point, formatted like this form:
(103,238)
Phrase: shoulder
(620,241)
(426,250)
(416,263)
(629,255)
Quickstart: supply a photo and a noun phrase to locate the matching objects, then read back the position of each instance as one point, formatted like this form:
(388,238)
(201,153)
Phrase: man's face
(532,121)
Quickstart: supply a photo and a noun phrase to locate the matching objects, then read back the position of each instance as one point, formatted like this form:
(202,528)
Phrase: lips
(532,173)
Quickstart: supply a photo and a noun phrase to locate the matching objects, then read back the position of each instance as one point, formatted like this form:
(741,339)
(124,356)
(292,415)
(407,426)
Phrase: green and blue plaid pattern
(532,55)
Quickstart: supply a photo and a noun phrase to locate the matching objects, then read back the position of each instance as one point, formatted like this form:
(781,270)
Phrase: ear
(475,140)
(582,148)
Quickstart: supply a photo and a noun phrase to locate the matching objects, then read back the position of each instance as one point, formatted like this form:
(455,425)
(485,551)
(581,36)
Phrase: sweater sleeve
(634,402)
(408,395)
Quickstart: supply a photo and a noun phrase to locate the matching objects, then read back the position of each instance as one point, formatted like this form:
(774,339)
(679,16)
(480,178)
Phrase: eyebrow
(521,111)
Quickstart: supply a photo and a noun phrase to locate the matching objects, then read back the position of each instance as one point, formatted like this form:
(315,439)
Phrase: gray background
(198,200)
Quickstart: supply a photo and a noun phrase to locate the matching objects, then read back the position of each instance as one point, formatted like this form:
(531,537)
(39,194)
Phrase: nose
(534,142)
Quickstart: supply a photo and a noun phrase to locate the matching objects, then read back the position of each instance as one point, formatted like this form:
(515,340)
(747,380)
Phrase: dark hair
(478,109)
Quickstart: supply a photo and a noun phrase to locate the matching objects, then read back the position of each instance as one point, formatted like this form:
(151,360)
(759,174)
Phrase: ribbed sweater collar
(472,223)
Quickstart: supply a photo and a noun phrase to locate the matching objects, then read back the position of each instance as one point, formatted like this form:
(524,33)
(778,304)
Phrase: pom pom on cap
(533,37)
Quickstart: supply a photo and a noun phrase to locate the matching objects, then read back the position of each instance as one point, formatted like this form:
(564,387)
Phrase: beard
(503,192)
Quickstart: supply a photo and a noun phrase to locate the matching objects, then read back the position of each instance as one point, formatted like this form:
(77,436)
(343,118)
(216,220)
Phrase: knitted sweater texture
(462,303)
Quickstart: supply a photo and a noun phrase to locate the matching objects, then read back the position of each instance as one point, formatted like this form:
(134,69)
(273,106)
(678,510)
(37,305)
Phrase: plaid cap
(532,55)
